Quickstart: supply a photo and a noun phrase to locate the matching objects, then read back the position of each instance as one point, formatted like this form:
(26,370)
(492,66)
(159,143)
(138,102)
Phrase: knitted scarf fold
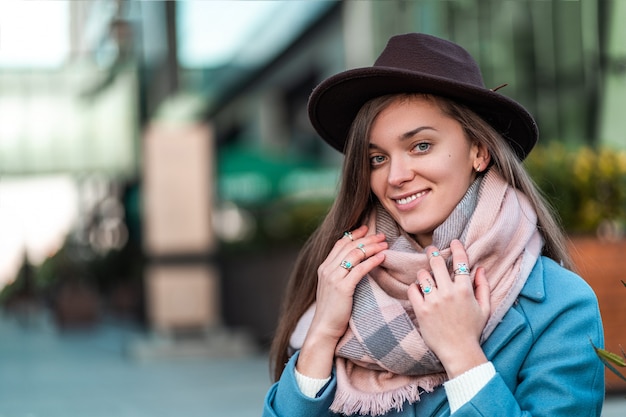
(382,360)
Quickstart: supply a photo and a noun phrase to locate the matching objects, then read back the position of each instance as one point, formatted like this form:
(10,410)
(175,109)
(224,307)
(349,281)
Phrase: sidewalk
(44,373)
(89,374)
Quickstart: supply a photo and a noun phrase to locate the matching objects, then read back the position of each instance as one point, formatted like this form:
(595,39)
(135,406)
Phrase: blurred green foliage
(586,186)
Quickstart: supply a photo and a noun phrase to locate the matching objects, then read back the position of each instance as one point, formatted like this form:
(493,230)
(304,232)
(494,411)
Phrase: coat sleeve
(284,398)
(560,375)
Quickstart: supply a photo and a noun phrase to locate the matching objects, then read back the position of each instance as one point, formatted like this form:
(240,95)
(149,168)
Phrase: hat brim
(335,102)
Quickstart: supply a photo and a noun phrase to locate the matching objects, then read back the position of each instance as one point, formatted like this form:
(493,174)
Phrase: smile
(407,200)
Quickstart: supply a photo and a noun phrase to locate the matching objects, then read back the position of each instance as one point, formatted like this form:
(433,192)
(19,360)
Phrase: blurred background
(158,175)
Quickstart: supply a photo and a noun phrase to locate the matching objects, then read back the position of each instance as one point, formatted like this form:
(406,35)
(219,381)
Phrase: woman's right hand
(351,258)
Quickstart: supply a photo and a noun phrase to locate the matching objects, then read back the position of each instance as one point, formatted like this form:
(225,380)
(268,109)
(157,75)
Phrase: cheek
(457,166)
(377,185)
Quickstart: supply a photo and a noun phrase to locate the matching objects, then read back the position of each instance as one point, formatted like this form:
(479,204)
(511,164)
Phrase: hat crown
(432,57)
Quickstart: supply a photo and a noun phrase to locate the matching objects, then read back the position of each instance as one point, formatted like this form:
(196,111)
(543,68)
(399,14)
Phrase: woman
(451,291)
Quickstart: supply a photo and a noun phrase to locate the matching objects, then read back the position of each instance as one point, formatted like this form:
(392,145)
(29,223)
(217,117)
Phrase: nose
(400,171)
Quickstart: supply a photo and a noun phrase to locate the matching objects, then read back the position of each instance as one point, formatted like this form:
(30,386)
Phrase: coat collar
(534,289)
(514,320)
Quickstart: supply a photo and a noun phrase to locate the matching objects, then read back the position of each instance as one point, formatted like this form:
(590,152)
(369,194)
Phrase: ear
(482,157)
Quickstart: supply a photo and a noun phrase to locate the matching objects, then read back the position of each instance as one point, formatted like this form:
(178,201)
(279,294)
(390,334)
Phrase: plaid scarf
(382,360)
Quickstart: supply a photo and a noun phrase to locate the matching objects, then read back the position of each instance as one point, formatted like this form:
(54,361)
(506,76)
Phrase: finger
(362,269)
(352,235)
(432,252)
(415,295)
(347,240)
(357,236)
(435,258)
(355,252)
(438,265)
(427,286)
(361,247)
(460,261)
(346,264)
(371,245)
(425,283)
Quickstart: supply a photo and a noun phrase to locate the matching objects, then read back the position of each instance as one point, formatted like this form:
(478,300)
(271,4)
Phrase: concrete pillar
(182,285)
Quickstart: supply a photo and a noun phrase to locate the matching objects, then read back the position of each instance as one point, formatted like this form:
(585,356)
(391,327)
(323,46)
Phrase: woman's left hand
(451,311)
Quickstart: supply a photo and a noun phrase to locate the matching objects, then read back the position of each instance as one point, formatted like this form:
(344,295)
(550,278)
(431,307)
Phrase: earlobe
(482,158)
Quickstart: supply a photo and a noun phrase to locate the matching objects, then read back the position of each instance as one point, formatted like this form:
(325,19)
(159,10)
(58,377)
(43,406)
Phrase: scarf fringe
(376,404)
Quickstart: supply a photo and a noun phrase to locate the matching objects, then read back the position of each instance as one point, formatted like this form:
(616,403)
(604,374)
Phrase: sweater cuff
(310,386)
(462,389)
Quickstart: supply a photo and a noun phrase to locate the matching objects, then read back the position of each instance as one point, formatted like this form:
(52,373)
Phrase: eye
(376,160)
(422,147)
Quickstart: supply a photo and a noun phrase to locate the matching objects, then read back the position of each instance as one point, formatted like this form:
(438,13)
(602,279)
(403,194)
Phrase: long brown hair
(355,201)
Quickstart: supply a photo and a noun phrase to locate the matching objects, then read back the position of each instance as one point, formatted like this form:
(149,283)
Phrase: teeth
(410,198)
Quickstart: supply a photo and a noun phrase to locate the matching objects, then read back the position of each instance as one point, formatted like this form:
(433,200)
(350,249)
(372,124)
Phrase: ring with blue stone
(461,269)
(426,289)
(346,265)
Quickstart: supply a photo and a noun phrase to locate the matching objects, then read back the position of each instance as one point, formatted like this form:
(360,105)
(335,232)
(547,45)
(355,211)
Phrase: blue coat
(542,351)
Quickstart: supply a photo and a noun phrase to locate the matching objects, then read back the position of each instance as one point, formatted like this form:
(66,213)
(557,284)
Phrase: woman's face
(422,164)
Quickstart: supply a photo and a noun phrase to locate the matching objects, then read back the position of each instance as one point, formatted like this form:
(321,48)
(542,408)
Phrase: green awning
(252,176)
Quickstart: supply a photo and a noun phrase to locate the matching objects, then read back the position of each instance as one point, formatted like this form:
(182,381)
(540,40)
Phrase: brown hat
(418,63)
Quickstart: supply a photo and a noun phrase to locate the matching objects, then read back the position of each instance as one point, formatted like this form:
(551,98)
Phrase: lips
(406,200)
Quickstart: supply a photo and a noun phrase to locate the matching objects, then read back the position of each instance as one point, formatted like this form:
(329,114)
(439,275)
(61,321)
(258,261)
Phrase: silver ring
(348,235)
(361,247)
(346,265)
(461,269)
(427,289)
(434,254)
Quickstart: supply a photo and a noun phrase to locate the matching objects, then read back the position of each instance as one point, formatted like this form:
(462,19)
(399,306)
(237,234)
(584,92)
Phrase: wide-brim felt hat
(418,63)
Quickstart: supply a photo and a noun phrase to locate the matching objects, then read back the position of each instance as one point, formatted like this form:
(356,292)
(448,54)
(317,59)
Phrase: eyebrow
(409,134)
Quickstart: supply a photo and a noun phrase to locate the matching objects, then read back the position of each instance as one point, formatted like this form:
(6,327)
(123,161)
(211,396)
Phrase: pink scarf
(382,360)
